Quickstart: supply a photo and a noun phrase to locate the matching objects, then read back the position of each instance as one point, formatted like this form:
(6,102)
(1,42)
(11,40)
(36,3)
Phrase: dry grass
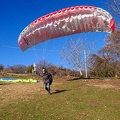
(87,98)
(14,91)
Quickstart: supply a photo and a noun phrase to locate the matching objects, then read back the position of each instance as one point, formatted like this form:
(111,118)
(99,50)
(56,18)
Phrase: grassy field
(69,100)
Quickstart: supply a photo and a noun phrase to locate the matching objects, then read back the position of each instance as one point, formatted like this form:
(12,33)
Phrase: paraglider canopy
(65,22)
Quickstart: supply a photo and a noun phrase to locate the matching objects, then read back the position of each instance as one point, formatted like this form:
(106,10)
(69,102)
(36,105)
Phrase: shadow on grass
(74,79)
(4,83)
(79,78)
(59,91)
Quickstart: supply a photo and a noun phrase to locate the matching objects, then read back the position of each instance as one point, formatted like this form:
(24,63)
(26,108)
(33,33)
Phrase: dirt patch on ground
(107,83)
(103,86)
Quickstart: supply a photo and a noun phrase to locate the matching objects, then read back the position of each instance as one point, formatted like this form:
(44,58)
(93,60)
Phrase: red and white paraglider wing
(66,22)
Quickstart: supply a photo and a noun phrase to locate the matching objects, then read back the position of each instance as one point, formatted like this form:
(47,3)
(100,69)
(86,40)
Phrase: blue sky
(15,15)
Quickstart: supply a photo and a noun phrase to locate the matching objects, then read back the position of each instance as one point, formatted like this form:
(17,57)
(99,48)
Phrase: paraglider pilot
(47,79)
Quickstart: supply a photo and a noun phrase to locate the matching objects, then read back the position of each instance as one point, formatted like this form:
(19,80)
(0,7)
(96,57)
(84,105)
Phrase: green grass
(72,100)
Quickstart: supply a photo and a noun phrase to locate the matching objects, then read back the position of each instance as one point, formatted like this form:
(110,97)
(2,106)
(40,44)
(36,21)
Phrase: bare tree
(114,6)
(42,64)
(74,53)
(18,69)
